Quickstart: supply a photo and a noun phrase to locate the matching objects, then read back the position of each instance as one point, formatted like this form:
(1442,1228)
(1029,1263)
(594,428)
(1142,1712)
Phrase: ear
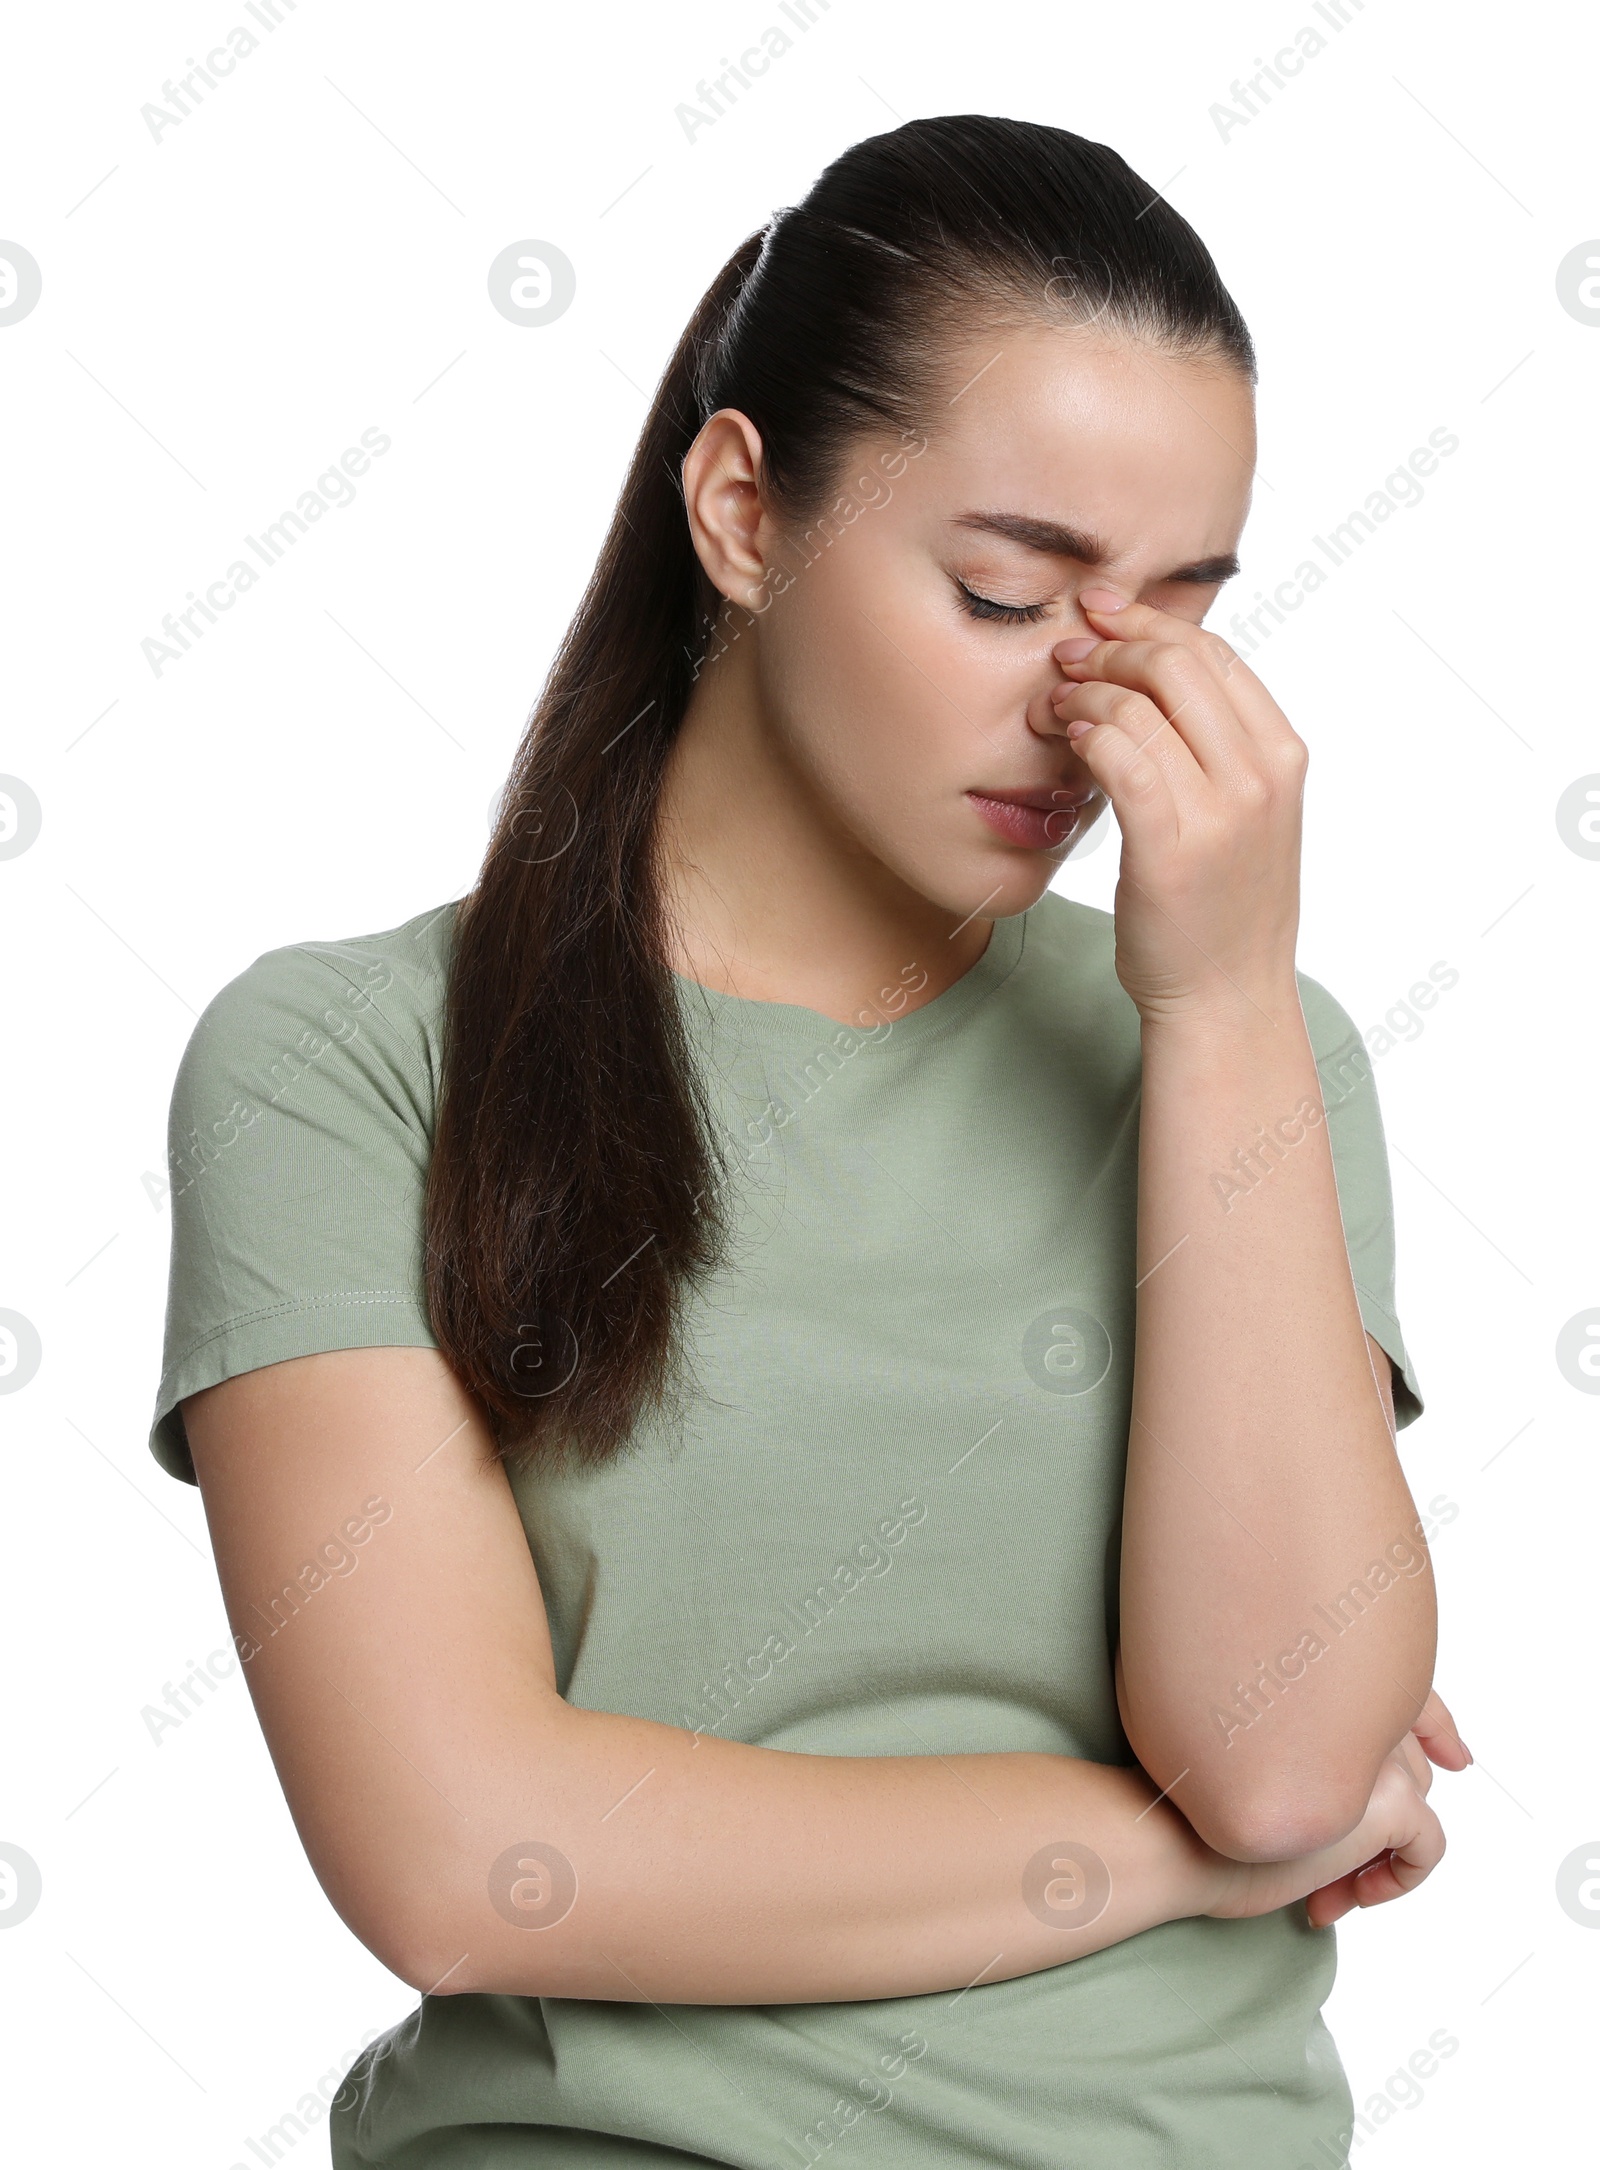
(729,524)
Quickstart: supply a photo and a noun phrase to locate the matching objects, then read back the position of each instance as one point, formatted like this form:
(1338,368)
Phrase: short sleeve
(1361,1171)
(299,1135)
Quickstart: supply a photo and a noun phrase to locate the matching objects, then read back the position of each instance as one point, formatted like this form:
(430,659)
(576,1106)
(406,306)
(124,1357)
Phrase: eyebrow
(1058,541)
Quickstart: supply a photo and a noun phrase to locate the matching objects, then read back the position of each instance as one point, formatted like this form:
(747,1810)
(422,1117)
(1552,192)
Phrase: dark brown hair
(576,1186)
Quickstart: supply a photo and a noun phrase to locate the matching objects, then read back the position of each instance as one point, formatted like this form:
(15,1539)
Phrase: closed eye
(984,606)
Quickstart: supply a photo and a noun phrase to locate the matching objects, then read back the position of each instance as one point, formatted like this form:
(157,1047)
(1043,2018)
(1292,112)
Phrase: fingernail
(1078,726)
(1074,650)
(1104,600)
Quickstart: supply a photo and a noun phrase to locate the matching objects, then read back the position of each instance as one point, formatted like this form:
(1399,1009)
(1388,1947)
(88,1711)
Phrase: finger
(1436,1730)
(1115,617)
(1257,710)
(1139,720)
(1331,1902)
(1392,1878)
(1152,782)
(1377,1883)
(1420,1855)
(1389,1875)
(1393,1874)
(1370,1885)
(1192,701)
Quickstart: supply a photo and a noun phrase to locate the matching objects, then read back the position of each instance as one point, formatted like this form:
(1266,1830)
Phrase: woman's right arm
(406,1689)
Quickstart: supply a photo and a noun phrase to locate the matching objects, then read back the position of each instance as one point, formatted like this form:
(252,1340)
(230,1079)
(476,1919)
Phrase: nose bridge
(1099,591)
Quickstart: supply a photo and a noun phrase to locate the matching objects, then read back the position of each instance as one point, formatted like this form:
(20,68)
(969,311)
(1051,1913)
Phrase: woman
(742,1624)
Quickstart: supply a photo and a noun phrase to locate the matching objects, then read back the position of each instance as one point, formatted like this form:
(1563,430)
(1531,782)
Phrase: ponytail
(576,1187)
(571,1186)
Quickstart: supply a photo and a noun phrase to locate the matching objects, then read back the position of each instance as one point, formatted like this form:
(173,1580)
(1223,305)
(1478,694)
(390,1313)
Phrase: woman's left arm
(1277,1603)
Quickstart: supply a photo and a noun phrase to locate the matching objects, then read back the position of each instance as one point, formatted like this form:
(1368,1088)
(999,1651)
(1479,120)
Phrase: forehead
(1097,432)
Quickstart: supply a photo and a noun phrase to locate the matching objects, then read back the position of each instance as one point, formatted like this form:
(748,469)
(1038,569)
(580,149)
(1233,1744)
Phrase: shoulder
(299,1139)
(399,973)
(275,1024)
(1073,945)
(1068,978)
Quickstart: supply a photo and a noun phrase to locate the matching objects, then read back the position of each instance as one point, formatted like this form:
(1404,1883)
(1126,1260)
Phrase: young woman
(799,1432)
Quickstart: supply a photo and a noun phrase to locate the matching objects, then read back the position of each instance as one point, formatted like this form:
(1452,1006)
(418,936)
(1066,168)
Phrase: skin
(817,833)
(411,1710)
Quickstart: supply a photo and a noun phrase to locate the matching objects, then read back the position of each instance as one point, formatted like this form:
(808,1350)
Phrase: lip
(1041,820)
(1049,798)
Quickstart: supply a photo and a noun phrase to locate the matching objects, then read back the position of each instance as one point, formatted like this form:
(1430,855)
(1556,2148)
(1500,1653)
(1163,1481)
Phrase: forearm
(712,1872)
(1262,1475)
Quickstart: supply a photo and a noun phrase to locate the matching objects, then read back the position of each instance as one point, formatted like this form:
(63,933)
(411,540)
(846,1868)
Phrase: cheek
(839,675)
(874,676)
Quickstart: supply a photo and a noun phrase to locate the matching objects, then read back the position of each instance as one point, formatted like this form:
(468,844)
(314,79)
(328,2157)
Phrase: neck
(770,894)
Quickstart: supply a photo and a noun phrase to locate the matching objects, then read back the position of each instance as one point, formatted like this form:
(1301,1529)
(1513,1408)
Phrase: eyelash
(984,606)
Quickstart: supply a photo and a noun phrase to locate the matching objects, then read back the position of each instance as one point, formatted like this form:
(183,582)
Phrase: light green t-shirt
(890,1527)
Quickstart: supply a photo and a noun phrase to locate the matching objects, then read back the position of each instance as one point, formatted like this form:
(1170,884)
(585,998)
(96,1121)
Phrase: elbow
(450,1940)
(1287,1807)
(426,1960)
(1264,1824)
(417,1937)
(428,1968)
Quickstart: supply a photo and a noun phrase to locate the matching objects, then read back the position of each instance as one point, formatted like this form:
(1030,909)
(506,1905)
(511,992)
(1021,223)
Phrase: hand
(1205,777)
(1397,1843)
(1433,1738)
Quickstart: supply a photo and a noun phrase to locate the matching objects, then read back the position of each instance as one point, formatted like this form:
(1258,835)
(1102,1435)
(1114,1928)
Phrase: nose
(1043,720)
(1076,785)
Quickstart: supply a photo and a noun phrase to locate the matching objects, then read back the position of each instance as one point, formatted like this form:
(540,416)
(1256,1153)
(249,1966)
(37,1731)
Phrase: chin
(989,884)
(1021,882)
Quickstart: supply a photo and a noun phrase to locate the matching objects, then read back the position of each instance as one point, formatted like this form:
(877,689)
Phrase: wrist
(1187,1876)
(1261,1012)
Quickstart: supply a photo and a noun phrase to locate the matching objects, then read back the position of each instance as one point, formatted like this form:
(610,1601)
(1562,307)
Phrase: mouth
(1041,820)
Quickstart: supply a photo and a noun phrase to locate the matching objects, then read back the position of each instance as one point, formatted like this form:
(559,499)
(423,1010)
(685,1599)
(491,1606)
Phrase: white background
(304,257)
